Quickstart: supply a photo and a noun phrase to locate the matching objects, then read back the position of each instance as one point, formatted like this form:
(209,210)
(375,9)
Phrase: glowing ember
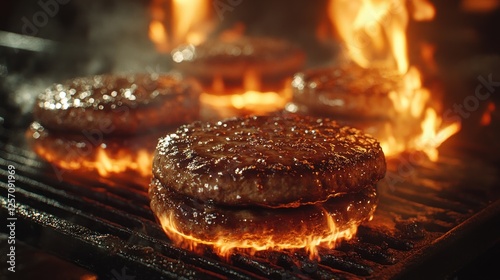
(177,22)
(374,34)
(427,53)
(252,243)
(88,277)
(486,117)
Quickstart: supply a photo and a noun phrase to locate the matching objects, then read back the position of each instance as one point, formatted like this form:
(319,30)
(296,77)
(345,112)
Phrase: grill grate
(438,210)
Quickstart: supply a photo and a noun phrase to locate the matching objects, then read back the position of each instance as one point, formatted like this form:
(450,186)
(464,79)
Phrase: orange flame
(104,163)
(226,243)
(187,23)
(158,35)
(250,98)
(433,134)
(423,10)
(374,34)
(373,31)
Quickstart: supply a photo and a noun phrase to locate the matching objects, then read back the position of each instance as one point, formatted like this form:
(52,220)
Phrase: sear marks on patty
(272,161)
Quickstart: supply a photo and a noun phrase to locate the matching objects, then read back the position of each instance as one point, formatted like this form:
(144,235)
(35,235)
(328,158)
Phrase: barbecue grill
(429,225)
(432,217)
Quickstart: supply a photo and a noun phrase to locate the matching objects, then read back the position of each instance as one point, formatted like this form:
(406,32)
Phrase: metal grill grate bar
(110,219)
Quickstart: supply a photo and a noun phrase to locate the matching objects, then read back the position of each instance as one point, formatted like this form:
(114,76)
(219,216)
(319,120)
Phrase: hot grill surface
(431,218)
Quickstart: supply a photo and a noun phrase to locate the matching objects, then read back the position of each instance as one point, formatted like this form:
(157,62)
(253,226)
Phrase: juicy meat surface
(117,104)
(210,222)
(346,91)
(272,161)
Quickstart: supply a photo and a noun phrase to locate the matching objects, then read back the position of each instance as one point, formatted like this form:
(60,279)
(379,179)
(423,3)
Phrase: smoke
(117,36)
(24,91)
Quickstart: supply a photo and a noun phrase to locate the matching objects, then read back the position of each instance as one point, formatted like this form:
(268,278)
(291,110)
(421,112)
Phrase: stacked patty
(264,180)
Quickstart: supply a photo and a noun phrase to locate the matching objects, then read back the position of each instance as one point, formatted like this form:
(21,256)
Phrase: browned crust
(210,222)
(271,59)
(346,91)
(118,104)
(272,161)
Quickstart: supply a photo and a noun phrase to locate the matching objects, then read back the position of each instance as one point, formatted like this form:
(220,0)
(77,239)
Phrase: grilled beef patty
(209,222)
(269,59)
(117,104)
(346,91)
(84,152)
(271,161)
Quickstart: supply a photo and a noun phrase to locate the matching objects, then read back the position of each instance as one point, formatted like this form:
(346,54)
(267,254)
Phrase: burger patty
(272,161)
(117,104)
(81,152)
(347,91)
(268,58)
(259,226)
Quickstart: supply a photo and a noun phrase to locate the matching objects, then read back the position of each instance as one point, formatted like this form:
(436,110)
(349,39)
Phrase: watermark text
(11,218)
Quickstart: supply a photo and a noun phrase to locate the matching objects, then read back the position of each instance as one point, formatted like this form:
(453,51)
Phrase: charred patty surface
(272,161)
